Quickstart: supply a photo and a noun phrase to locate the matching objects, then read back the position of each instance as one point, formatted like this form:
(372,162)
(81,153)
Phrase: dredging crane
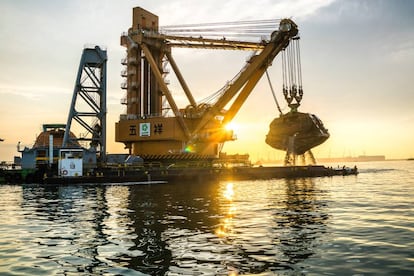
(155,128)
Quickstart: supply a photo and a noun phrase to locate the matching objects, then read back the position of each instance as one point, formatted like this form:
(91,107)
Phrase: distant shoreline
(361,158)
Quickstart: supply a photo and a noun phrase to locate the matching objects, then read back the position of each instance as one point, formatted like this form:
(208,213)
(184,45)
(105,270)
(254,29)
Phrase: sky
(357,67)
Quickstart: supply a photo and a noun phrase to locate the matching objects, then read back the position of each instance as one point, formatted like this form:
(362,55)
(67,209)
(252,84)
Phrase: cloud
(402,52)
(187,11)
(32,93)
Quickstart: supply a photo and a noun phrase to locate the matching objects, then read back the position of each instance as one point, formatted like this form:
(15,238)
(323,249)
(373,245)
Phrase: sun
(232,126)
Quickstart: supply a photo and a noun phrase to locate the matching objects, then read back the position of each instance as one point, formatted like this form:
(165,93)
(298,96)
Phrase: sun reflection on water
(229,192)
(226,225)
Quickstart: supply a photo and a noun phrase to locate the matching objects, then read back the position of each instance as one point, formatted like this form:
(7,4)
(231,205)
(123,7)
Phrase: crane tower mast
(196,131)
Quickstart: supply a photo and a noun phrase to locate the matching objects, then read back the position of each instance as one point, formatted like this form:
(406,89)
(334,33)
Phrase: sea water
(351,225)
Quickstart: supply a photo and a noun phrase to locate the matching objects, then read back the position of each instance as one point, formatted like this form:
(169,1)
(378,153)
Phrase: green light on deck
(189,148)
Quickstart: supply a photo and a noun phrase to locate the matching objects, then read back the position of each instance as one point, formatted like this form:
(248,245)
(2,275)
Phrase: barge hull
(201,174)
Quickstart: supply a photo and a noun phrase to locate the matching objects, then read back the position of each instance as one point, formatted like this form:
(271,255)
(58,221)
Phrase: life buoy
(64,172)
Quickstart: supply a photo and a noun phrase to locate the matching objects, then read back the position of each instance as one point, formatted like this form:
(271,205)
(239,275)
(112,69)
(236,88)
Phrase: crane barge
(156,131)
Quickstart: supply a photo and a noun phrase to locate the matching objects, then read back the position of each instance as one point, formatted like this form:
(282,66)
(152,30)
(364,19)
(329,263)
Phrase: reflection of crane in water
(303,219)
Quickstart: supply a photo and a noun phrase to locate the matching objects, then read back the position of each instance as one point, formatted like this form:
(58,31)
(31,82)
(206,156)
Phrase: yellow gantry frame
(242,86)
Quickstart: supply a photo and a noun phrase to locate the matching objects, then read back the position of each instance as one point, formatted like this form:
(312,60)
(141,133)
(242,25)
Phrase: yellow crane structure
(198,130)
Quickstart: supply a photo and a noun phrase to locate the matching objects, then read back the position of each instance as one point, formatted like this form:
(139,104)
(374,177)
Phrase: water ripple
(340,225)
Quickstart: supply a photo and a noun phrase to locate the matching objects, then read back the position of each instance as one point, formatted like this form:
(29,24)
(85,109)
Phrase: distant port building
(361,158)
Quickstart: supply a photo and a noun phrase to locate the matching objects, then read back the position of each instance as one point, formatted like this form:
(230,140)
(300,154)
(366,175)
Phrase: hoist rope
(213,98)
(247,29)
(292,73)
(290,67)
(273,93)
(284,69)
(298,63)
